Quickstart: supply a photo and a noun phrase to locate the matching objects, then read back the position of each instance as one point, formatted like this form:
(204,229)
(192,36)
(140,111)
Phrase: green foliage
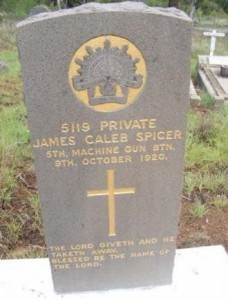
(159,3)
(14,137)
(14,148)
(7,33)
(207,134)
(206,161)
(206,99)
(19,8)
(220,202)
(14,227)
(223,4)
(198,210)
(190,182)
(207,7)
(35,206)
(7,184)
(32,251)
(215,183)
(10,57)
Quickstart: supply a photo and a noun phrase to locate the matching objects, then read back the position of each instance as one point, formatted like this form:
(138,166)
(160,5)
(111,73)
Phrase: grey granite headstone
(107,90)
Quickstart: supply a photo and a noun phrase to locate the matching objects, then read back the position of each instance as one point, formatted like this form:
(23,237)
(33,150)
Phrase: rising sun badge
(107,73)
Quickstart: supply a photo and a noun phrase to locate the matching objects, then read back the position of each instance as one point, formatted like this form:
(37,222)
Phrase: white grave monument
(213,34)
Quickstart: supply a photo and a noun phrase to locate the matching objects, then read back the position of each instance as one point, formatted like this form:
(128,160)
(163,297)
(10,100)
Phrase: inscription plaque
(106,87)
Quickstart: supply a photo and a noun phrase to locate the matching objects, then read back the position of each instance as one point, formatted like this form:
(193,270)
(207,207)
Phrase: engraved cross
(111,192)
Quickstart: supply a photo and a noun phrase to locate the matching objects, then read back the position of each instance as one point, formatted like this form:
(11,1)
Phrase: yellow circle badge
(107,73)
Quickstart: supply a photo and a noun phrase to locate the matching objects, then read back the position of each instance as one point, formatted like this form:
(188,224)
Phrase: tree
(174,3)
(223,4)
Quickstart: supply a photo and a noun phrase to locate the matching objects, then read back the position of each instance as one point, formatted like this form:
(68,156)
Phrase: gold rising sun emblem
(107,73)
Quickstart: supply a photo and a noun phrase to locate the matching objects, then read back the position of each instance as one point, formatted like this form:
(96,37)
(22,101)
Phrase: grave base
(199,273)
(209,76)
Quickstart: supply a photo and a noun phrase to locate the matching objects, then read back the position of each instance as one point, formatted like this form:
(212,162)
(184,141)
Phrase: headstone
(3,67)
(213,34)
(107,110)
(38,9)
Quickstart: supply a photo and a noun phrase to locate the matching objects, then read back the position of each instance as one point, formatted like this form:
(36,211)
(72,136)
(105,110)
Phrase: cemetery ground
(204,213)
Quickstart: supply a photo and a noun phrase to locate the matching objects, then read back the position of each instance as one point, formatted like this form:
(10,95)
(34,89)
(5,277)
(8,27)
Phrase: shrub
(19,8)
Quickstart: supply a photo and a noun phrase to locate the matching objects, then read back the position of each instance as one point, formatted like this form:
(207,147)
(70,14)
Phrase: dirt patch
(212,229)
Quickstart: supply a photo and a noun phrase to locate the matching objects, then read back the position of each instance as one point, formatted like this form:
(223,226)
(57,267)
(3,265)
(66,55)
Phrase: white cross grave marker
(213,34)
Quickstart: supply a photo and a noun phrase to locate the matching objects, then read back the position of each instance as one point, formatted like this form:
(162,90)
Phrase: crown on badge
(105,69)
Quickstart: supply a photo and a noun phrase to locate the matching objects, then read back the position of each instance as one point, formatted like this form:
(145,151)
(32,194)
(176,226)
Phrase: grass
(220,202)
(10,57)
(10,82)
(29,252)
(15,151)
(214,20)
(37,221)
(19,205)
(206,99)
(206,144)
(14,136)
(7,34)
(206,161)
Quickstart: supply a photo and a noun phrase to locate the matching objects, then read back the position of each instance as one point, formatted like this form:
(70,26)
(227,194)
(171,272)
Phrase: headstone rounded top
(136,7)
